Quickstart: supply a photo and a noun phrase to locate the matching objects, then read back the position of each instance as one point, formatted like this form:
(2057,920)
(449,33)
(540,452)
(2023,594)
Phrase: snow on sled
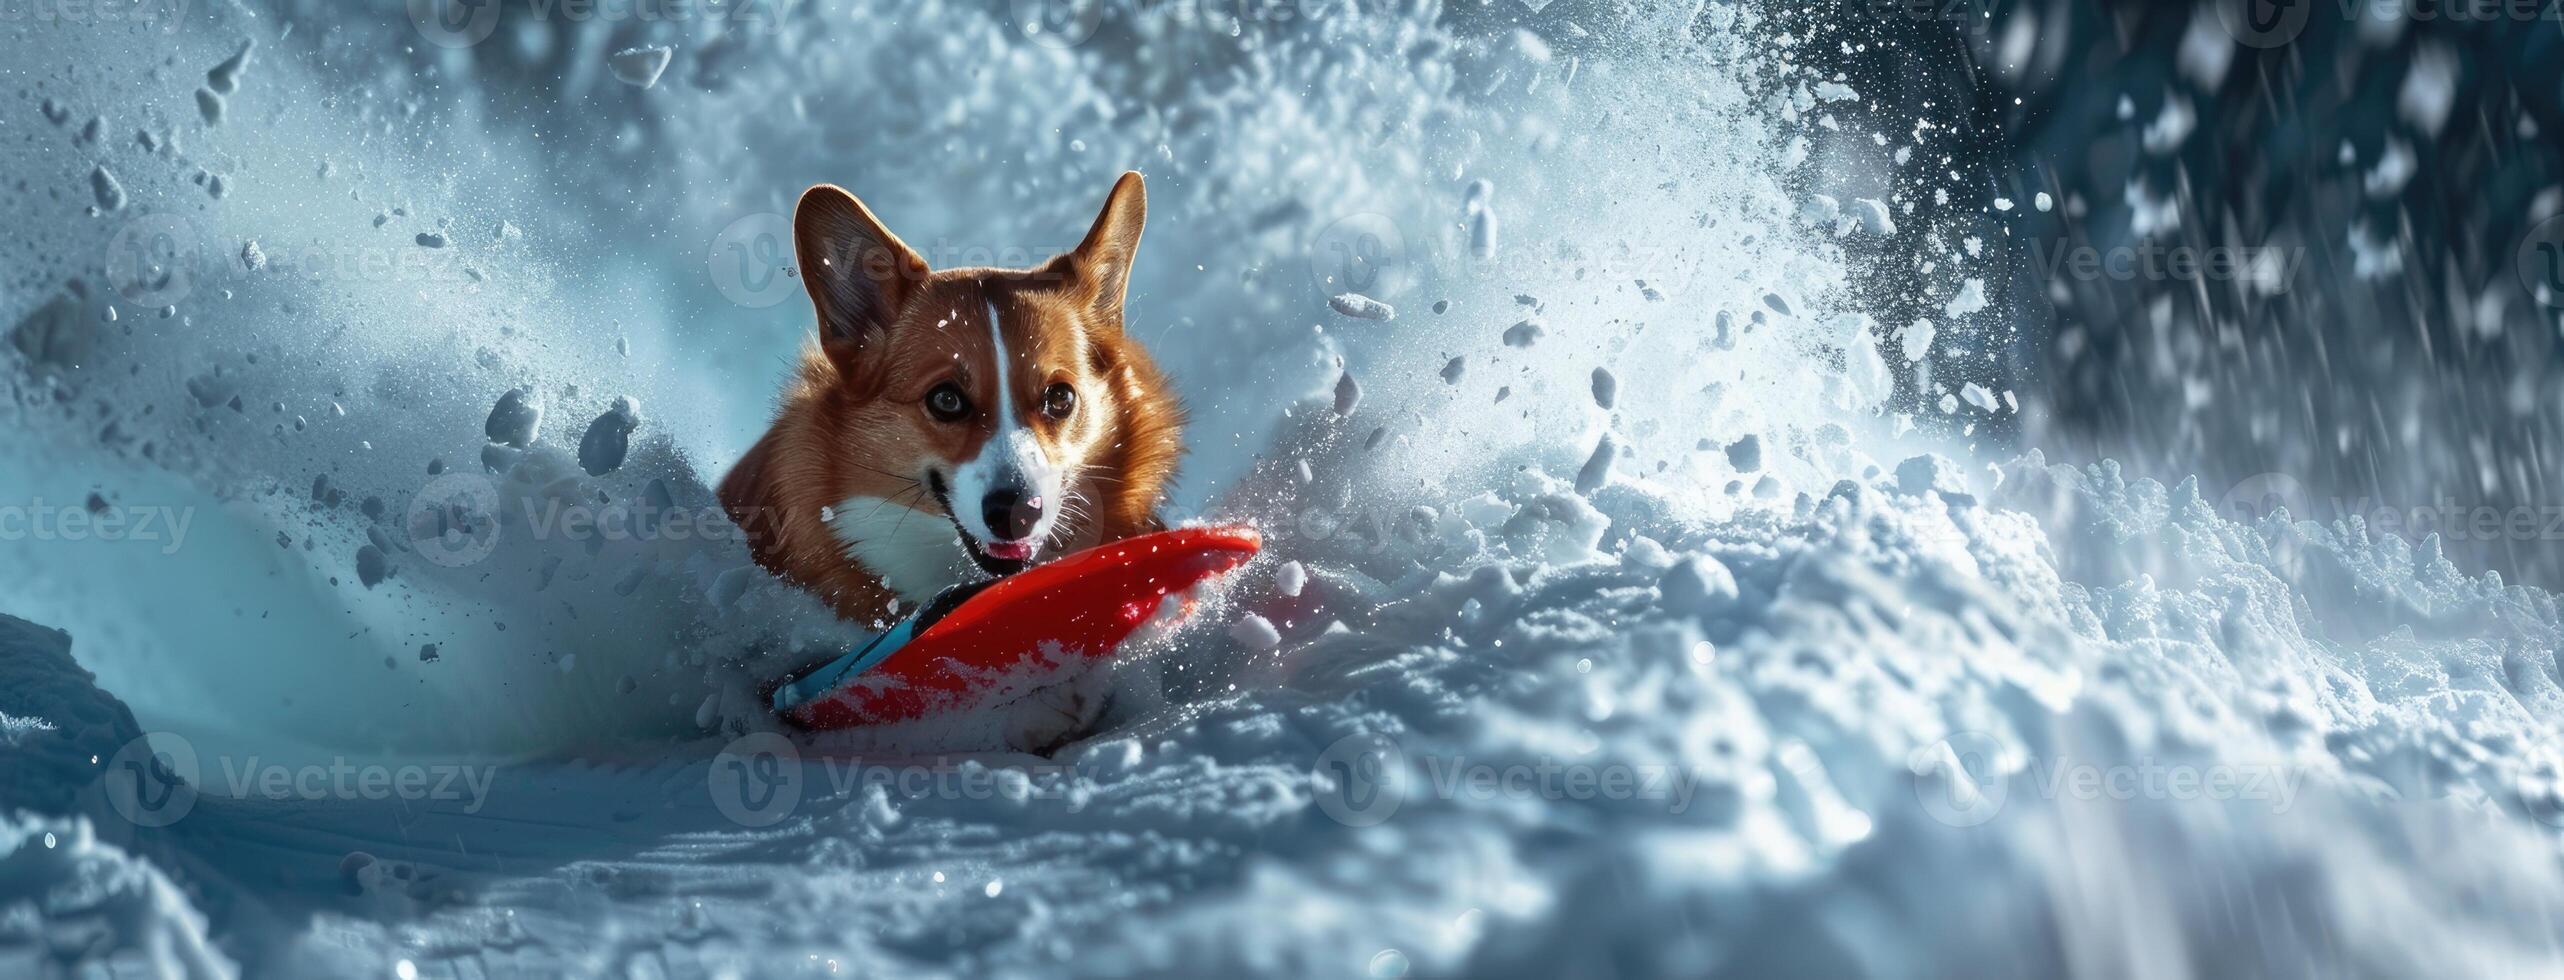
(953,654)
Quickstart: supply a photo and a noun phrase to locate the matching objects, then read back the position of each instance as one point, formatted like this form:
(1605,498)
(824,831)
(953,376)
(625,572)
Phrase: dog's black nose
(1010,514)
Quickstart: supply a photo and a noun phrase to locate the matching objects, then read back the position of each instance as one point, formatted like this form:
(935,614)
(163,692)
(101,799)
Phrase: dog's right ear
(858,273)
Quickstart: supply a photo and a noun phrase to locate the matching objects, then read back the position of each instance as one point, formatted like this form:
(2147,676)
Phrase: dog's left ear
(1100,267)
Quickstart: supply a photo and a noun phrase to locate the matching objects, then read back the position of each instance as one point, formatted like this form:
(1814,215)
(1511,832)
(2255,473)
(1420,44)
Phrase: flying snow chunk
(1256,632)
(1867,371)
(1870,215)
(640,67)
(1597,468)
(2170,128)
(110,193)
(1971,298)
(1526,333)
(1290,578)
(2430,88)
(2207,48)
(372,566)
(2374,255)
(2149,212)
(515,419)
(1452,372)
(2395,168)
(1362,307)
(1745,455)
(1978,396)
(2020,41)
(1348,394)
(1821,209)
(1918,340)
(609,438)
(1479,208)
(1606,388)
(224,79)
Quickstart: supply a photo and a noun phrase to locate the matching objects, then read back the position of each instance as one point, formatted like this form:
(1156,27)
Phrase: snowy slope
(1707,662)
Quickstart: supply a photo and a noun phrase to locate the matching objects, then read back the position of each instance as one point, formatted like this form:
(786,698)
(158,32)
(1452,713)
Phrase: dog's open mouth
(1001,558)
(998,558)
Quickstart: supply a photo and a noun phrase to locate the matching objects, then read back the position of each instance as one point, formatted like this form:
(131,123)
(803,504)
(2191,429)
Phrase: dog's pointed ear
(859,274)
(1100,267)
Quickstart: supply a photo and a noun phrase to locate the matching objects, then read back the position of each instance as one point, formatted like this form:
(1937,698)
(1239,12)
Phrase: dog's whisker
(875,469)
(892,499)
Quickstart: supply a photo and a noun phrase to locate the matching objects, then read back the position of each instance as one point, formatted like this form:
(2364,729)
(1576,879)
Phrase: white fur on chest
(915,552)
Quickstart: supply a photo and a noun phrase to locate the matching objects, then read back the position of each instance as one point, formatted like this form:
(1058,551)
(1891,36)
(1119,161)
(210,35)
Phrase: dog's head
(993,398)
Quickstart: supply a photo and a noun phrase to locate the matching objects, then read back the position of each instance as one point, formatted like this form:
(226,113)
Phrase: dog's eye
(1059,399)
(947,404)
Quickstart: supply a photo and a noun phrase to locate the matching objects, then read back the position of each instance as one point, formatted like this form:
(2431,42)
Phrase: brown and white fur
(949,425)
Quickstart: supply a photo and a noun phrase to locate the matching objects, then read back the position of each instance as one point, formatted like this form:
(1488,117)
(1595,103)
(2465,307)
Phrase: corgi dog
(946,426)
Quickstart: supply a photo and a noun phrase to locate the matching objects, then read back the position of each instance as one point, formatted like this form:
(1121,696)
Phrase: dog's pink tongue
(1009,550)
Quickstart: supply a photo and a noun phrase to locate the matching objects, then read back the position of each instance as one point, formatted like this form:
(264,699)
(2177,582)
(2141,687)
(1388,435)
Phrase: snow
(640,67)
(1361,307)
(1290,577)
(67,897)
(1917,341)
(1547,701)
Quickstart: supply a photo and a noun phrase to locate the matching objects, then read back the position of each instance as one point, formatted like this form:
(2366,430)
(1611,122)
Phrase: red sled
(1049,616)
